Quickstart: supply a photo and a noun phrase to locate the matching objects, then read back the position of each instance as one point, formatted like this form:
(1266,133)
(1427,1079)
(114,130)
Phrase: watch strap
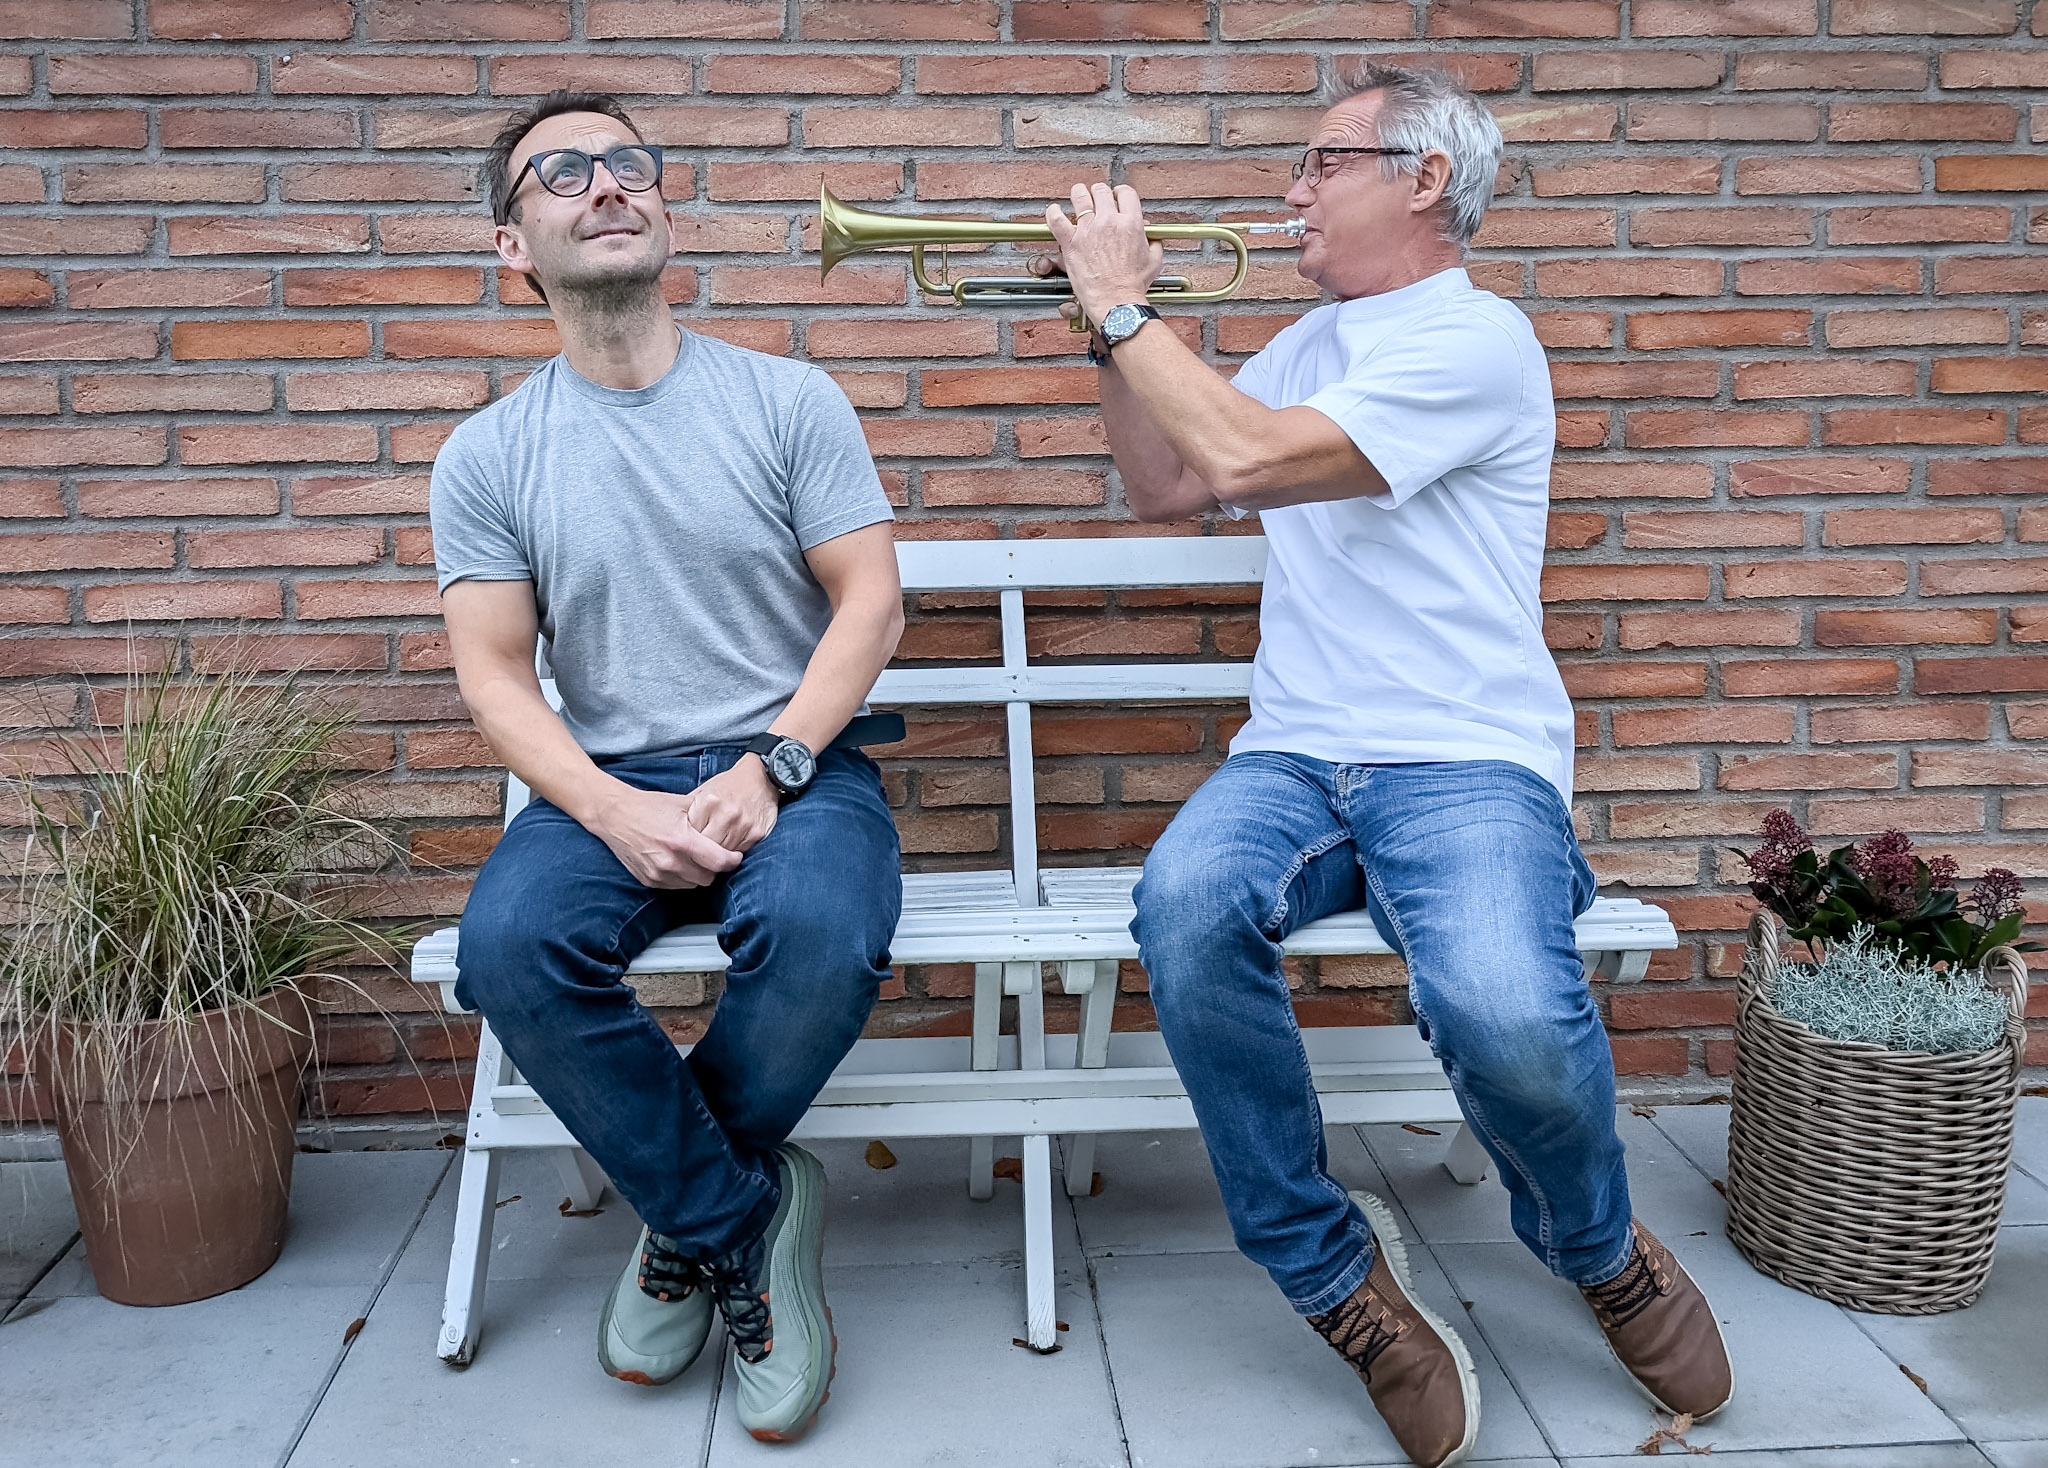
(1148,313)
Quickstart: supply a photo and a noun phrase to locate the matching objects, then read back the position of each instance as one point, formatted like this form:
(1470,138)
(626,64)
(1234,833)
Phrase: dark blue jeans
(1470,871)
(806,919)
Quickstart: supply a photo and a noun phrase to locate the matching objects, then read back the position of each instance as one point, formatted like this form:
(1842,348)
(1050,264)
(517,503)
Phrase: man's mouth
(611,232)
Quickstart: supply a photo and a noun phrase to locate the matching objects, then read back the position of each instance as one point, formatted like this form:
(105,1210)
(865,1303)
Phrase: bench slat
(1114,562)
(1109,682)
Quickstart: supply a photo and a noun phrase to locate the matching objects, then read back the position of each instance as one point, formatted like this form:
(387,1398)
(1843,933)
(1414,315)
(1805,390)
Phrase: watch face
(1121,322)
(791,765)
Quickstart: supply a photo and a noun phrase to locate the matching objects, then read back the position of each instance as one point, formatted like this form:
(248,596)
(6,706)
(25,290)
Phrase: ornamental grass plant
(1898,951)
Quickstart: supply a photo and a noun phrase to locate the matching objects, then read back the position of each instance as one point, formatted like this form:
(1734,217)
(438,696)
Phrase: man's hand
(736,808)
(651,833)
(1103,249)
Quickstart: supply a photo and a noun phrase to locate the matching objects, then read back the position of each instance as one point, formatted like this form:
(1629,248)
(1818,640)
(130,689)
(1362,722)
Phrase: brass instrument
(845,230)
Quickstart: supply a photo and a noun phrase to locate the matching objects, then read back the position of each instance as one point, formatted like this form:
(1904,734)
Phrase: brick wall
(1784,253)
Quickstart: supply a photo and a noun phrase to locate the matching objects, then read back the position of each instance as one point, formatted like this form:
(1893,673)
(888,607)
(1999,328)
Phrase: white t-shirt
(1407,626)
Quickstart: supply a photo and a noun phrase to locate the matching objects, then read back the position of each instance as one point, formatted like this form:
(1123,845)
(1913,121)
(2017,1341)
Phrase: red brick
(332,392)
(1871,725)
(1720,328)
(250,20)
(1896,326)
(1646,1055)
(153,497)
(25,605)
(97,20)
(164,183)
(247,127)
(466,20)
(1913,425)
(1990,274)
(426,233)
(1902,627)
(280,443)
(1662,1008)
(1703,427)
(1533,18)
(2024,720)
(1628,276)
(1825,175)
(73,127)
(1833,475)
(1723,724)
(1039,438)
(930,437)
(1920,17)
(438,285)
(969,386)
(454,337)
(762,182)
(876,285)
(305,73)
(1720,226)
(172,392)
(304,234)
(1723,18)
(896,20)
(39,448)
(360,495)
(87,550)
(1634,680)
(1960,69)
(735,20)
(1590,582)
(1843,377)
(1628,176)
(80,341)
(1630,479)
(151,76)
(1203,74)
(33,657)
(1815,578)
(199,341)
(1978,767)
(1108,20)
(918,127)
(1854,815)
(26,395)
(1980,675)
(797,75)
(626,76)
(1897,224)
(398,182)
(1795,122)
(1686,529)
(1990,374)
(1714,627)
(21,183)
(1013,487)
(1295,20)
(2015,577)
(1689,379)
(1859,71)
(1621,68)
(322,600)
(1808,677)
(1947,526)
(1865,122)
(342,545)
(1837,275)
(159,601)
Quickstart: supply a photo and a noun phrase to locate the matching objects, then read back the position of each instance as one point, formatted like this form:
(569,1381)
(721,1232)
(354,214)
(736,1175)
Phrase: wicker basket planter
(1870,1177)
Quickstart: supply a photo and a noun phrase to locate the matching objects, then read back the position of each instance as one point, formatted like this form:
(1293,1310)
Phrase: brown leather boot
(1661,1329)
(1415,1368)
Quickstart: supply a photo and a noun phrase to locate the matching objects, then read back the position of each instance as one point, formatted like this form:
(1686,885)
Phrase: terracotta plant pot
(182,1192)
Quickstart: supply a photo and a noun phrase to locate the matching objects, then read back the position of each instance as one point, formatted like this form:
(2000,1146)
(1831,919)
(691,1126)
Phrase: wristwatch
(790,763)
(1121,323)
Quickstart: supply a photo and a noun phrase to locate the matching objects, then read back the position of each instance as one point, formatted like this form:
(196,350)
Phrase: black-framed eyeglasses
(567,172)
(1311,165)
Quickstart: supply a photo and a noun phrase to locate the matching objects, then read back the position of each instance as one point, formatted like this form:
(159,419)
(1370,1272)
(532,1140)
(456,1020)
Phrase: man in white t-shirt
(1409,749)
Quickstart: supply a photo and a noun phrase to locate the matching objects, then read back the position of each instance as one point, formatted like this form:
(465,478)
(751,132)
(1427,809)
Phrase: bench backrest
(1012,567)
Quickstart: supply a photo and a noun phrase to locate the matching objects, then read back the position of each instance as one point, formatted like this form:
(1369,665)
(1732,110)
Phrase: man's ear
(511,247)
(1432,179)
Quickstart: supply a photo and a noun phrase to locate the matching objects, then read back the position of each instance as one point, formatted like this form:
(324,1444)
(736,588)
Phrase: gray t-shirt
(663,529)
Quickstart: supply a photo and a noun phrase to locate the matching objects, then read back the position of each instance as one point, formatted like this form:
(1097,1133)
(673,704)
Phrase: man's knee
(1190,905)
(1535,1039)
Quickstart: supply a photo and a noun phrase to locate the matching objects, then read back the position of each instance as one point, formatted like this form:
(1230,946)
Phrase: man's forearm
(536,745)
(857,645)
(1145,458)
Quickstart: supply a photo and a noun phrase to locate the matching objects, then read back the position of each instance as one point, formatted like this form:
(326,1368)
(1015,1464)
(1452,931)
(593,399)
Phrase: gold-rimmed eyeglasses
(1310,167)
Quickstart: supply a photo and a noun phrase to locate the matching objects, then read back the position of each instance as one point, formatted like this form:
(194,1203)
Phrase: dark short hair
(498,162)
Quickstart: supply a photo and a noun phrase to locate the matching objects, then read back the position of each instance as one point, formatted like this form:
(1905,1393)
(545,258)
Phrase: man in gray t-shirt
(696,535)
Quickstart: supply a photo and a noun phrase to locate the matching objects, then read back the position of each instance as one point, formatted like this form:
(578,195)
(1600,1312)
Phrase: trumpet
(845,230)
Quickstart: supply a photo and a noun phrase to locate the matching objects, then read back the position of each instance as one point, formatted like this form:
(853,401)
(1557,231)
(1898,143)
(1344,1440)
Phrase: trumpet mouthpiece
(1292,228)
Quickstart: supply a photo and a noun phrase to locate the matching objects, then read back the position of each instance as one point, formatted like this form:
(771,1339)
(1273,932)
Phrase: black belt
(870,729)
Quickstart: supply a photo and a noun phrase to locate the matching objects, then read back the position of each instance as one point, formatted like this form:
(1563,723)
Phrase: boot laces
(1629,1293)
(666,1273)
(1359,1329)
(738,1282)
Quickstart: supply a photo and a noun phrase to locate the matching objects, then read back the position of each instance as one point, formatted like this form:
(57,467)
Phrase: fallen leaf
(355,1328)
(315,1151)
(1420,1131)
(1719,1186)
(567,1209)
(1653,1445)
(1018,1340)
(515,1198)
(879,1157)
(1466,1303)
(1059,1325)
(1719,1098)
(1916,1378)
(449,1140)
(1095,1186)
(1011,1168)
(1639,1109)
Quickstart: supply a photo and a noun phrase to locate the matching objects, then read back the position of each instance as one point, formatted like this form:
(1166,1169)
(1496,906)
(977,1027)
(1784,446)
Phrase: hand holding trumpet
(1103,250)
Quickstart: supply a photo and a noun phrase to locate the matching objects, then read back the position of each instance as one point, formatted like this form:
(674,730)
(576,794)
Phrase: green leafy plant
(183,867)
(1880,884)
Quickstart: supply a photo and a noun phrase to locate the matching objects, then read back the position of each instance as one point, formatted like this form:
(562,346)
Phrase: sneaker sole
(604,1355)
(1658,1402)
(807,1274)
(1386,1237)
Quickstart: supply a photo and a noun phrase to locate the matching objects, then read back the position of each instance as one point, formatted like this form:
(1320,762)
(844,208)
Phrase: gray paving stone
(1806,1376)
(927,1375)
(350,1213)
(1914,1455)
(2018,1454)
(1985,1366)
(918,1211)
(1214,1370)
(2030,1143)
(1701,1133)
(534,1394)
(1159,1195)
(530,1239)
(36,1224)
(90,1383)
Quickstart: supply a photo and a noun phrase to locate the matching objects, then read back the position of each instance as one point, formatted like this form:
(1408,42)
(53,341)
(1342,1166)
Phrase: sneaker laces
(666,1273)
(738,1283)
(1358,1329)
(1629,1293)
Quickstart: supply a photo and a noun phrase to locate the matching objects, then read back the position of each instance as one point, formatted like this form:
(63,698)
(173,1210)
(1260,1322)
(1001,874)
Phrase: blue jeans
(1471,872)
(806,919)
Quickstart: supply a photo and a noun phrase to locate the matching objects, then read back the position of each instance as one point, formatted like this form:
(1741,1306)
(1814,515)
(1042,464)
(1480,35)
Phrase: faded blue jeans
(1471,872)
(806,919)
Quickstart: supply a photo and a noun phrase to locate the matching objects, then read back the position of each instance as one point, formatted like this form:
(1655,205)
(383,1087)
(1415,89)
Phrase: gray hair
(1429,110)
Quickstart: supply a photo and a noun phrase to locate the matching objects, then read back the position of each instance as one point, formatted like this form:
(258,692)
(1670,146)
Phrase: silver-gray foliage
(1871,991)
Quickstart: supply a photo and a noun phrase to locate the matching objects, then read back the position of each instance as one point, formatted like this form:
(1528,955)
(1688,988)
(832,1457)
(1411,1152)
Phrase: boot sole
(1386,1237)
(808,1276)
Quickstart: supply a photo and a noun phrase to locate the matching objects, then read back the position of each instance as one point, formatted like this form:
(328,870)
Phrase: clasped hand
(679,841)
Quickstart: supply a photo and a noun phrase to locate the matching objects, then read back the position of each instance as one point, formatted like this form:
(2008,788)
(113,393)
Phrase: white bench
(1008,924)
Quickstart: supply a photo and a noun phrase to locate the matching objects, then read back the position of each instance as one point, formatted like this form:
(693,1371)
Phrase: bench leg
(476,1205)
(1041,1332)
(988,1018)
(1466,1160)
(1091,1052)
(581,1177)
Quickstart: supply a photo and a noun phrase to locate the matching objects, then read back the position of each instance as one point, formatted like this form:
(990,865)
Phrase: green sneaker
(783,1360)
(657,1317)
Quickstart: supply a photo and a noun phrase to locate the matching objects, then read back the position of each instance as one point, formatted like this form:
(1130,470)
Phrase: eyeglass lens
(568,171)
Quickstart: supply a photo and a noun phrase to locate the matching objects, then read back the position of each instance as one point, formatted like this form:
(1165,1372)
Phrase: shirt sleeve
(1427,402)
(833,487)
(474,537)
